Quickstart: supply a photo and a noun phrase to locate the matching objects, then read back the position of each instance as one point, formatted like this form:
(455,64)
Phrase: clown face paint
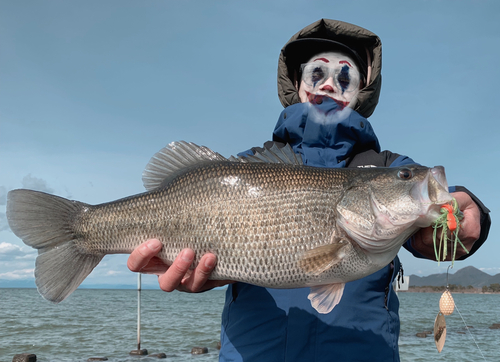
(330,74)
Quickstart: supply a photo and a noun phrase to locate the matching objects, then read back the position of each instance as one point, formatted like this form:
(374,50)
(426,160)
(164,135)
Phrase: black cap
(300,51)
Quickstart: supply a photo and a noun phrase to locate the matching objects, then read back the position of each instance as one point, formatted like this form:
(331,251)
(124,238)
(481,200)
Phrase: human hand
(470,229)
(178,275)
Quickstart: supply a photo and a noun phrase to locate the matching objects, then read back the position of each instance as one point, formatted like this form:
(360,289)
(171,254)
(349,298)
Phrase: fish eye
(405,174)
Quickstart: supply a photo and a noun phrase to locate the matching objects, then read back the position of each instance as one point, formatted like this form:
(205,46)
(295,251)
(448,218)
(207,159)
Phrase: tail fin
(44,222)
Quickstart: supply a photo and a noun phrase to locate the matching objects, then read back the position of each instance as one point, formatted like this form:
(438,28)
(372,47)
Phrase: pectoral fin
(325,297)
(317,260)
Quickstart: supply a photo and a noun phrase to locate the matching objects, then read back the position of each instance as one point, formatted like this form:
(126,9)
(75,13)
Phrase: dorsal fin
(179,155)
(174,157)
(275,154)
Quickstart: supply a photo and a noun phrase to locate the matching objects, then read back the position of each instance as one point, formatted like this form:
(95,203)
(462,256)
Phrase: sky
(90,90)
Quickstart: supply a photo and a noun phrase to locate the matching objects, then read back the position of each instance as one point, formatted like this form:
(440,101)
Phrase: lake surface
(103,323)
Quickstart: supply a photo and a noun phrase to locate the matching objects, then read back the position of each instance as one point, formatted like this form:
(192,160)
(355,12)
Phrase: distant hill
(464,277)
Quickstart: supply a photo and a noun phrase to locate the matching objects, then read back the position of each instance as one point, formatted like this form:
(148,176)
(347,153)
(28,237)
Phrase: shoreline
(442,289)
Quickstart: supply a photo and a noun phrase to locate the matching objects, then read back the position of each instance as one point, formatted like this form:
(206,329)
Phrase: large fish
(270,220)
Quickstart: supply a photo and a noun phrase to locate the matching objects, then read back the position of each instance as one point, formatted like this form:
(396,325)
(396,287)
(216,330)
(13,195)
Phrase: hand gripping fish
(270,220)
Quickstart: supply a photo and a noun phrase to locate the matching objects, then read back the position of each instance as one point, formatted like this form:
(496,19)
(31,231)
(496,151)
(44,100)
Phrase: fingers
(470,226)
(172,278)
(470,229)
(422,242)
(142,255)
(179,277)
(155,266)
(463,199)
(197,280)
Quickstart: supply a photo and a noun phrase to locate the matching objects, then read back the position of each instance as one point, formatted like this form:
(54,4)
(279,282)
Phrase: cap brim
(300,51)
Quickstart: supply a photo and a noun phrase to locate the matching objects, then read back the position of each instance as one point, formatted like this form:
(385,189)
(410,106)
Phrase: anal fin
(325,297)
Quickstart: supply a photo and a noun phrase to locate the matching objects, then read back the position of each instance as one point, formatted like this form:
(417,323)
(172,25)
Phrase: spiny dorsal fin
(275,154)
(179,155)
(175,157)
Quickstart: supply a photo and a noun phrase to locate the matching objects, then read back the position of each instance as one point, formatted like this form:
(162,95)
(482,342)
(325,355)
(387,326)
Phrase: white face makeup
(330,74)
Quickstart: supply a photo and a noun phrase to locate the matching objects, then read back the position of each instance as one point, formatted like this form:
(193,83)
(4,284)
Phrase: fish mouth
(432,193)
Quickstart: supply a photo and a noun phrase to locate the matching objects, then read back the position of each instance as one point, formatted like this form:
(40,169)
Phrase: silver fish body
(280,225)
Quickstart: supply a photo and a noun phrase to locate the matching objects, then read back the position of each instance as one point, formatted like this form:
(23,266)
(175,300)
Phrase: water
(418,312)
(103,323)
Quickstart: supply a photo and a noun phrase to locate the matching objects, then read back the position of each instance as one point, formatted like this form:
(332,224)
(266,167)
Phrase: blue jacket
(263,324)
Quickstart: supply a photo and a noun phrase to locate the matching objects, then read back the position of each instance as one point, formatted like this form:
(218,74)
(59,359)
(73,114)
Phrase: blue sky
(90,90)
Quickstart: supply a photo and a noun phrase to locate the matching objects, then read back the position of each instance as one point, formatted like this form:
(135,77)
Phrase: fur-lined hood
(363,42)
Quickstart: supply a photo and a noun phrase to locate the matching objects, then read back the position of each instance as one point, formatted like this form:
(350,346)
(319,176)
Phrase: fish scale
(280,225)
(239,230)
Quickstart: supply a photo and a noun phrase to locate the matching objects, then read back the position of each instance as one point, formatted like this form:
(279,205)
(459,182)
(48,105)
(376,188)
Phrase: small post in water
(139,351)
(139,311)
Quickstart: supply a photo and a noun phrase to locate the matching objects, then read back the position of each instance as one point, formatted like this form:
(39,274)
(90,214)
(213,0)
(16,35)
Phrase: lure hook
(447,275)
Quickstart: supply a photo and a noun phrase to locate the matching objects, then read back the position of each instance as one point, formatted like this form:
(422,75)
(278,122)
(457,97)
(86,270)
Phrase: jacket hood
(364,45)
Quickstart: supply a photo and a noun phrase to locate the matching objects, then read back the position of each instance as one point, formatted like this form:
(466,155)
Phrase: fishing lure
(446,307)
(448,221)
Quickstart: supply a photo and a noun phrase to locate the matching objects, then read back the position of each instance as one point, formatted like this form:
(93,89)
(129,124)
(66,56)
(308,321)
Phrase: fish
(270,220)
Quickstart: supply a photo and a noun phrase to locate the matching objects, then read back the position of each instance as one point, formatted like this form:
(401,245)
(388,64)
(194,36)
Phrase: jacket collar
(325,133)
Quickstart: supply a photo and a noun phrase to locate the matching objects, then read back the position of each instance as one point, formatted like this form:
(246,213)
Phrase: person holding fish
(329,81)
(305,231)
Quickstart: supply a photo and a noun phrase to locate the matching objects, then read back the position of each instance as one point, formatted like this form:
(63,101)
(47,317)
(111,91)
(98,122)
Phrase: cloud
(10,252)
(114,272)
(37,184)
(18,274)
(7,248)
